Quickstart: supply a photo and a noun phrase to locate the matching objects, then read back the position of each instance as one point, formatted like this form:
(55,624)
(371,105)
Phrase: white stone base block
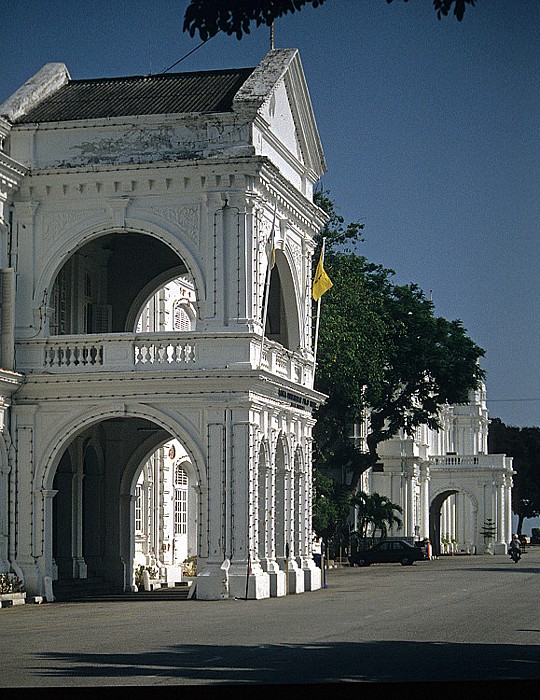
(252,587)
(296,579)
(213,583)
(312,576)
(500,548)
(278,583)
(48,585)
(7,600)
(173,574)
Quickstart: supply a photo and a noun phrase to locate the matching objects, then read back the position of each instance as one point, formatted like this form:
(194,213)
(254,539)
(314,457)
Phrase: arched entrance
(94,509)
(453,522)
(165,496)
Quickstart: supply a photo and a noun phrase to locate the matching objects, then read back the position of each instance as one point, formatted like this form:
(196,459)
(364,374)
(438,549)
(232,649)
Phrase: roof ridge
(220,71)
(120,96)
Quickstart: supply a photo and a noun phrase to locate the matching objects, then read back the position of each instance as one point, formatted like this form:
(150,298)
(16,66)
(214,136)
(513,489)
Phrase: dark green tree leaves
(382,353)
(208,17)
(523,444)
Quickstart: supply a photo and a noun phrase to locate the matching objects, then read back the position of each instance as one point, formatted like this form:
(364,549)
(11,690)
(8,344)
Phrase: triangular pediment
(277,93)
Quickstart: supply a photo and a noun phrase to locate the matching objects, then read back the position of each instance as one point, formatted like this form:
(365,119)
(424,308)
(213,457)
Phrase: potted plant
(488,533)
(139,576)
(11,590)
(445,543)
(189,566)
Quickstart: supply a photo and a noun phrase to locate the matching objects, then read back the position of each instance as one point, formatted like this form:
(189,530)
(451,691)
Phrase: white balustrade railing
(449,461)
(149,351)
(73,355)
(176,353)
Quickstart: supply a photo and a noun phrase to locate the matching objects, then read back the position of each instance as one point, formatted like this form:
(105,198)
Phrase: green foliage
(208,17)
(381,352)
(523,444)
(335,232)
(10,583)
(189,566)
(444,7)
(139,580)
(376,512)
(488,530)
(331,506)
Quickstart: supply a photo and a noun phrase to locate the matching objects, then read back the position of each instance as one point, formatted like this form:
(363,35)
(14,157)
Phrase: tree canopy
(377,512)
(382,353)
(208,17)
(523,444)
(331,506)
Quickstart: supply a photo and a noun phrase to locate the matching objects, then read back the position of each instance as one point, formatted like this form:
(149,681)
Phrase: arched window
(138,509)
(182,321)
(180,500)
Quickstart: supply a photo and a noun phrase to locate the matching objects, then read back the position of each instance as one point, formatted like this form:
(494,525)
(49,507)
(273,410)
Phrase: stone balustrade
(487,461)
(127,352)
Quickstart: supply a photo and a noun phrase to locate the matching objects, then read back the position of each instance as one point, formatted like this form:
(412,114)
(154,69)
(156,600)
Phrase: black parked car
(394,551)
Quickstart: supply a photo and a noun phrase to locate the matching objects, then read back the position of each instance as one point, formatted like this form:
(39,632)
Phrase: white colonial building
(111,189)
(447,484)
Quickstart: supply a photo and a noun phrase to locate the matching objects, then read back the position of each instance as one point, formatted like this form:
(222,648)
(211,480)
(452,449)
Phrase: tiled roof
(170,93)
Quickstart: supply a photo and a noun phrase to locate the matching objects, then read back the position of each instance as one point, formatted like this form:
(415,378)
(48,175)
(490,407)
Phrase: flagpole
(317,330)
(267,284)
(318,311)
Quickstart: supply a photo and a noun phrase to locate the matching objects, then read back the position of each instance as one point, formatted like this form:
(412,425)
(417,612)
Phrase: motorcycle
(515,554)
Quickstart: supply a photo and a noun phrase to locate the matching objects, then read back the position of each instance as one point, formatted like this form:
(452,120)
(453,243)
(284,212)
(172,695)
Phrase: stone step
(75,589)
(86,590)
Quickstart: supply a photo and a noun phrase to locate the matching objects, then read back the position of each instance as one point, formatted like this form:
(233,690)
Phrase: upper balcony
(160,352)
(478,461)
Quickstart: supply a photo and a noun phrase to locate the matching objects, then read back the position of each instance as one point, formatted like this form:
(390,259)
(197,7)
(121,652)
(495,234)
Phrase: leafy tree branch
(208,17)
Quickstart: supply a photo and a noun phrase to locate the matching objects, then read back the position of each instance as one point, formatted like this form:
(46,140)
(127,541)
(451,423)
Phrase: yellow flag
(321,282)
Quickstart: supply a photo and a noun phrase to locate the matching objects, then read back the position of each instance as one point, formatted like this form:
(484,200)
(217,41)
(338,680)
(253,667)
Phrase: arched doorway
(165,497)
(94,510)
(453,522)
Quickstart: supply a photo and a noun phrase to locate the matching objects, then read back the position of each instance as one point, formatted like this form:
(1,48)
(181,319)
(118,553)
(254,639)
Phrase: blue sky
(430,130)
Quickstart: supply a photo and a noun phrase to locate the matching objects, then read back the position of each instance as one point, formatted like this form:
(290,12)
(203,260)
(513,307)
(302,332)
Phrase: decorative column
(246,577)
(294,571)
(501,494)
(80,568)
(276,575)
(508,506)
(4,513)
(312,573)
(26,519)
(212,573)
(424,496)
(49,569)
(411,499)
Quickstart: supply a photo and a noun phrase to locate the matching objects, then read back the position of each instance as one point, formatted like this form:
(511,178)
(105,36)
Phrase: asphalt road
(455,619)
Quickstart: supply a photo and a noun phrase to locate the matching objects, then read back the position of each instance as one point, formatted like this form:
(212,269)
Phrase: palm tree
(383,515)
(362,505)
(377,511)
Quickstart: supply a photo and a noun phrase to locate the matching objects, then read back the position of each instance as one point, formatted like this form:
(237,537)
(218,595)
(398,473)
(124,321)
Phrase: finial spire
(271,36)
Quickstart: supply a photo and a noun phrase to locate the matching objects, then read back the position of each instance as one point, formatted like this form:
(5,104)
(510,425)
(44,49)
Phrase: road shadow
(337,662)
(516,568)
